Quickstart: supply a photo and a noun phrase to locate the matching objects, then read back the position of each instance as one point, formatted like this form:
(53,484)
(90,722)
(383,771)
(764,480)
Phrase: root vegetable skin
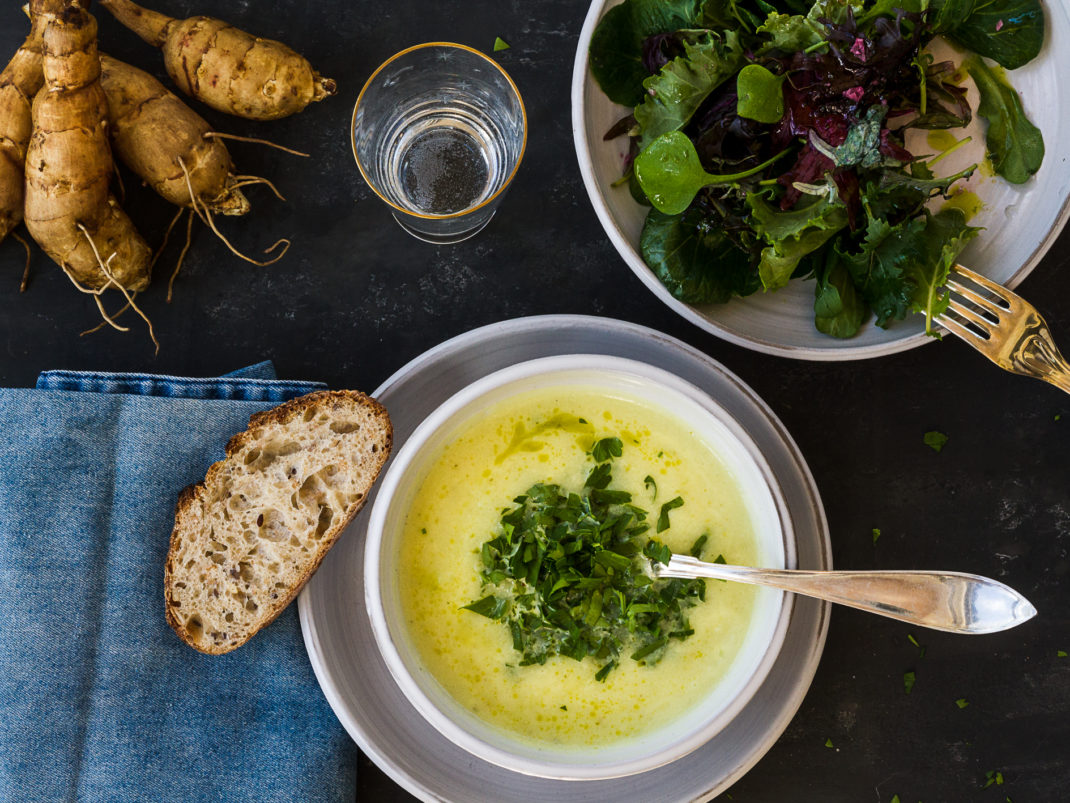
(69,209)
(19,82)
(224,67)
(163,140)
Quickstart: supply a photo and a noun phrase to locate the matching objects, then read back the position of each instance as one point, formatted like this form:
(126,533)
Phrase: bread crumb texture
(251,535)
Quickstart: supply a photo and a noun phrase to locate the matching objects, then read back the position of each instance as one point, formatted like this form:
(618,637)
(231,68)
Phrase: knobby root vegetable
(152,130)
(69,209)
(19,82)
(175,151)
(226,68)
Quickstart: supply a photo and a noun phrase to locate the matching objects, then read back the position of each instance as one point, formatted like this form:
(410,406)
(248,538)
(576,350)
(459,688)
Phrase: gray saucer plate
(384,724)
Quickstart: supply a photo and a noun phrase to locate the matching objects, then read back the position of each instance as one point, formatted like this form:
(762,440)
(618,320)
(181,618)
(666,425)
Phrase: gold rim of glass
(508,179)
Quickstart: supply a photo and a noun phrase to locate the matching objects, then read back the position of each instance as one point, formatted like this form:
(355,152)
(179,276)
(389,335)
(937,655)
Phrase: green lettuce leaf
(888,8)
(674,94)
(1015,145)
(616,51)
(760,94)
(730,15)
(838,306)
(697,266)
(946,15)
(1010,32)
(792,234)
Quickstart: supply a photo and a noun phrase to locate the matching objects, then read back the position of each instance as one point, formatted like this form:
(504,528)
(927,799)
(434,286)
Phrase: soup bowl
(754,638)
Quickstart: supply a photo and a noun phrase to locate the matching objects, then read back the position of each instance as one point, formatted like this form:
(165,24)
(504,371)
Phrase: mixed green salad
(768,137)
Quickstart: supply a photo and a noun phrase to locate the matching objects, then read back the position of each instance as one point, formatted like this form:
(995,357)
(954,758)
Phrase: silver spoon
(949,601)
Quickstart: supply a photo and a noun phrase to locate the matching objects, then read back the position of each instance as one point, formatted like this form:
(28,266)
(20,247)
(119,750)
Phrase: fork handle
(1039,354)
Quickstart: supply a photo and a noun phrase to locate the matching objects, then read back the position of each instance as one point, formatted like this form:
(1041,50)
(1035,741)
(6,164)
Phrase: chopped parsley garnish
(962,702)
(696,548)
(566,572)
(876,535)
(500,44)
(663,518)
(908,681)
(1060,654)
(828,742)
(935,440)
(607,449)
(648,483)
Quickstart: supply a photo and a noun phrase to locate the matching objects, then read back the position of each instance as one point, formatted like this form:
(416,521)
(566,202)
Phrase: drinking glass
(438,133)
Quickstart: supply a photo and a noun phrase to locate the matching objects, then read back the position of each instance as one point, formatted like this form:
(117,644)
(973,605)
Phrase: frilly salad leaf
(792,234)
(697,265)
(835,11)
(902,268)
(675,93)
(943,239)
(670,173)
(896,195)
(793,33)
(1010,32)
(878,271)
(1015,145)
(760,93)
(616,52)
(790,33)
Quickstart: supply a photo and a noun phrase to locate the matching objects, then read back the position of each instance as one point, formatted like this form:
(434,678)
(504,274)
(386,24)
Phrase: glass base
(441,238)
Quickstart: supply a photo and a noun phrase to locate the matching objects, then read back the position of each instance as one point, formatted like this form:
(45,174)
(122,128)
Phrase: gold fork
(1003,326)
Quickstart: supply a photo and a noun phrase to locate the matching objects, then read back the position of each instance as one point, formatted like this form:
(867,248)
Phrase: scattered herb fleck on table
(935,440)
(567,572)
(768,135)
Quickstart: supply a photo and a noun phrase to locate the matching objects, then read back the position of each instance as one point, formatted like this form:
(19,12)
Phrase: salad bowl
(1019,222)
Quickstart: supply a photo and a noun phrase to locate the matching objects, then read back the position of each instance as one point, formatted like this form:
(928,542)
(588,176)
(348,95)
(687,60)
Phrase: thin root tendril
(25,271)
(181,257)
(255,140)
(111,281)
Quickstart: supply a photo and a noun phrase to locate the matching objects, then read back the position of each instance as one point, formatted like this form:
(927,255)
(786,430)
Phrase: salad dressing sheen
(544,436)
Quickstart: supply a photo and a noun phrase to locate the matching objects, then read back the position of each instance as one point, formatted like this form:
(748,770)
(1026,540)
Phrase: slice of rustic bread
(248,538)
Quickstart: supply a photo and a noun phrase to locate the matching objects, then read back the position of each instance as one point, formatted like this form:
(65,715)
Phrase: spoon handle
(949,601)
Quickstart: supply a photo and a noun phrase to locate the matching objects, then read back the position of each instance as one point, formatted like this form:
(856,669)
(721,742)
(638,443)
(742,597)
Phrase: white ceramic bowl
(634,380)
(1020,223)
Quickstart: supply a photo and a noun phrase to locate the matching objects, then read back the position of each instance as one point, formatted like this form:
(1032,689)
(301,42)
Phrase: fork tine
(971,315)
(998,290)
(981,301)
(957,328)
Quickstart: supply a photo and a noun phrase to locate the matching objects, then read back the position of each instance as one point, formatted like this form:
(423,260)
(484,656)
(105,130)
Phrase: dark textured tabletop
(356,298)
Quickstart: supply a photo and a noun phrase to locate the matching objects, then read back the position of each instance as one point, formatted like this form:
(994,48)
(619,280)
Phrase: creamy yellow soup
(545,436)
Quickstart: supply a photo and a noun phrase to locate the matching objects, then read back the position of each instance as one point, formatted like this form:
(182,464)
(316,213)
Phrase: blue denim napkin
(99,700)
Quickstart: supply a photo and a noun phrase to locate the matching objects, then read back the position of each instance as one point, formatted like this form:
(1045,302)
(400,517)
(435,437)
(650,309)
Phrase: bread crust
(191,501)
